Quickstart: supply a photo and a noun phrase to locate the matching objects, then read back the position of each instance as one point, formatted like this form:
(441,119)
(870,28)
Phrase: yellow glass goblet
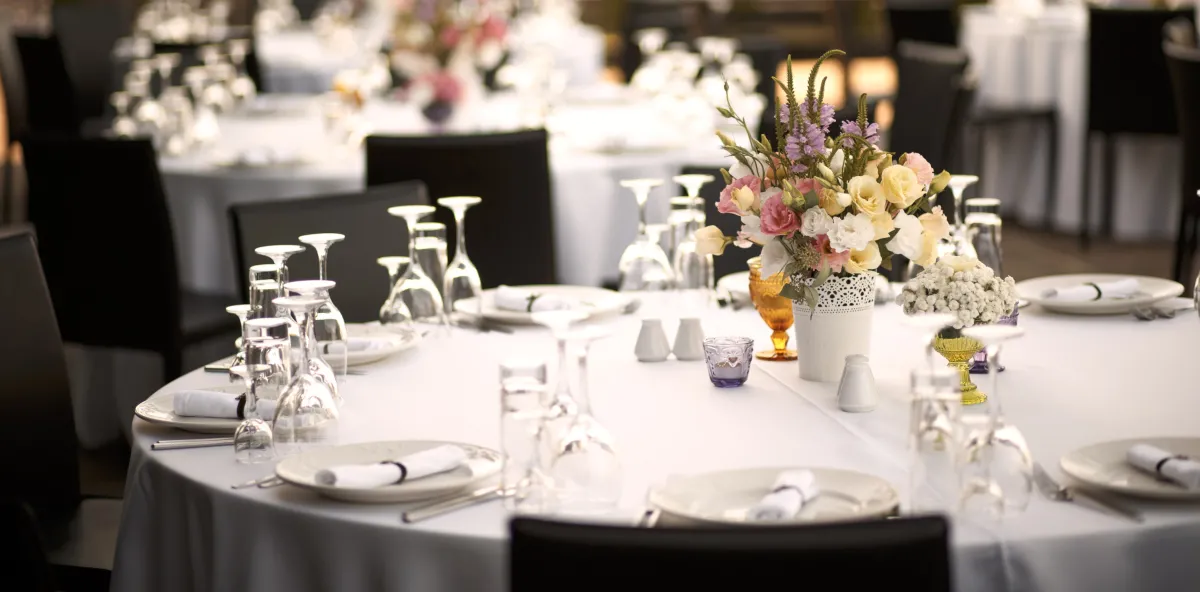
(774,309)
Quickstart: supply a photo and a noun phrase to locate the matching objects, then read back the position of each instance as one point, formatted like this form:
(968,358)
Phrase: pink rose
(806,185)
(917,164)
(450,36)
(493,28)
(740,197)
(829,258)
(776,218)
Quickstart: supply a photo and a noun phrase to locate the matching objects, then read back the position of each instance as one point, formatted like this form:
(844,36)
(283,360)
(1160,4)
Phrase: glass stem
(307,343)
(642,214)
(322,252)
(460,241)
(993,362)
(414,262)
(582,397)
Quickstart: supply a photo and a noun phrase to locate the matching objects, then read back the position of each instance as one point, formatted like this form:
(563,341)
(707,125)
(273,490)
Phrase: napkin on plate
(1180,470)
(217,405)
(517,299)
(1082,293)
(406,468)
(792,489)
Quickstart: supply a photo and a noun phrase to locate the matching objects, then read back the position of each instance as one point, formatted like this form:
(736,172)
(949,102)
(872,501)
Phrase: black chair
(510,235)
(734,259)
(87,33)
(12,80)
(937,25)
(681,19)
(41,467)
(307,8)
(362,217)
(1126,67)
(766,53)
(49,94)
(910,553)
(110,263)
(28,569)
(1183,64)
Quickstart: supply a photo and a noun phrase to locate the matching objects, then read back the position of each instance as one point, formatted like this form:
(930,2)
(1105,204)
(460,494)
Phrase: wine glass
(693,183)
(241,311)
(983,231)
(936,408)
(462,279)
(648,268)
(414,297)
(264,289)
(206,128)
(267,341)
(641,192)
(123,126)
(959,185)
(307,414)
(392,264)
(165,63)
(321,243)
(252,440)
(431,251)
(242,87)
(329,328)
(279,255)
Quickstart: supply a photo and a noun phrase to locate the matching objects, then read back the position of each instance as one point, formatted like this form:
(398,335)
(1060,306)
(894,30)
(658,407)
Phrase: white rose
(710,241)
(838,160)
(739,170)
(774,258)
(815,222)
(752,230)
(852,233)
(908,240)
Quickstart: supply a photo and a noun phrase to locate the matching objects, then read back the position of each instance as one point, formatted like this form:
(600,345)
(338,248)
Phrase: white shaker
(652,345)
(689,340)
(856,392)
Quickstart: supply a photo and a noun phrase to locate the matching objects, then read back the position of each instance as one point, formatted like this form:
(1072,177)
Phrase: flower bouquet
(974,294)
(828,211)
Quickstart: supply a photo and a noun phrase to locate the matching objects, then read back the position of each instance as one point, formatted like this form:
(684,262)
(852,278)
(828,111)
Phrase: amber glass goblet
(774,309)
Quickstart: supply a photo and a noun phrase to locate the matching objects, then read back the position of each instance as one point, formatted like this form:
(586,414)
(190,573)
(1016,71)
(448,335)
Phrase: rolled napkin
(390,472)
(517,299)
(217,405)
(1178,469)
(1118,289)
(792,489)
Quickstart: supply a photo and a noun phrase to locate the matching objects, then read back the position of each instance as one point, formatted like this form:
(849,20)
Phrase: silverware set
(266,482)
(1059,493)
(182,444)
(450,504)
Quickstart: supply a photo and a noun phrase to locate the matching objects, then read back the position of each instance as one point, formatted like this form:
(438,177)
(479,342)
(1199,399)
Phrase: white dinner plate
(595,301)
(1150,290)
(301,470)
(726,497)
(388,343)
(160,409)
(737,284)
(1103,465)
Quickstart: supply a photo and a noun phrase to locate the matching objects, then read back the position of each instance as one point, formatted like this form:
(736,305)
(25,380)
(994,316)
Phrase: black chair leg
(172,364)
(1085,197)
(1051,171)
(1110,175)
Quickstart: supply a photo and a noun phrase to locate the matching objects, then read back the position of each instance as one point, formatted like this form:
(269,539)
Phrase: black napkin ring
(531,299)
(399,465)
(1158,467)
(1098,293)
(241,410)
(803,498)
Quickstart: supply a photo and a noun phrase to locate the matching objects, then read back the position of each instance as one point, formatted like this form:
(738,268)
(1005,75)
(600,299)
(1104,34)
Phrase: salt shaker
(689,340)
(856,392)
(652,345)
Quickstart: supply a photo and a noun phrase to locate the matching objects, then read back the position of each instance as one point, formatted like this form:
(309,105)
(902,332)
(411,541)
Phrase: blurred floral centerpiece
(440,46)
(828,210)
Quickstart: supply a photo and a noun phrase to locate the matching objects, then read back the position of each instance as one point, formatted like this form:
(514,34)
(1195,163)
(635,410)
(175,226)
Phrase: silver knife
(190,443)
(1058,493)
(449,505)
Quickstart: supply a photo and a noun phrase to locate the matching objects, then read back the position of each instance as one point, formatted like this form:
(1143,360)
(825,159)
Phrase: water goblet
(252,440)
(279,255)
(242,87)
(431,250)
(329,327)
(641,192)
(774,309)
(264,289)
(414,297)
(462,278)
(307,414)
(693,183)
(959,185)
(321,243)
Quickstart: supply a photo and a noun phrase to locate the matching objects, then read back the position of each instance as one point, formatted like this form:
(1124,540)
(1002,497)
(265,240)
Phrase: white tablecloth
(1070,382)
(595,219)
(1039,61)
(298,61)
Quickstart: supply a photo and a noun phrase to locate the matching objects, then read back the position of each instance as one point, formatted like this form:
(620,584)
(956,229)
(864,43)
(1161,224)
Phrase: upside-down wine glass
(431,252)
(414,298)
(649,269)
(279,255)
(242,87)
(927,326)
(241,311)
(933,440)
(392,264)
(307,413)
(331,338)
(320,243)
(641,192)
(252,440)
(462,278)
(959,185)
(123,126)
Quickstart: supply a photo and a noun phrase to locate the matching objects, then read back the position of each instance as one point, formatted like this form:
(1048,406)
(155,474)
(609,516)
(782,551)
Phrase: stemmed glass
(123,126)
(242,88)
(206,128)
(693,183)
(329,329)
(648,269)
(321,243)
(392,264)
(279,255)
(266,341)
(959,185)
(431,251)
(414,297)
(165,63)
(462,279)
(252,440)
(928,325)
(264,289)
(933,439)
(241,311)
(307,413)
(641,192)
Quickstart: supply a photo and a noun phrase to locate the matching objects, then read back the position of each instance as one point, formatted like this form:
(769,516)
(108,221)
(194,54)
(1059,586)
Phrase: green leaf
(725,175)
(811,200)
(790,292)
(811,298)
(726,113)
(822,276)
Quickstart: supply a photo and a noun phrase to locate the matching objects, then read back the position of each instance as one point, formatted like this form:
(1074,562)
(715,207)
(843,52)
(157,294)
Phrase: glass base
(775,355)
(728,382)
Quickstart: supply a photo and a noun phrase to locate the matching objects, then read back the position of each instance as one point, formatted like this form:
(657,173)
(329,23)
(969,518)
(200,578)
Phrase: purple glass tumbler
(728,360)
(979,365)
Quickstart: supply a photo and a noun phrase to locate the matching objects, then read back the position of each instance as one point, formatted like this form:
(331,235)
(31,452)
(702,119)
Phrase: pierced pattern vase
(839,327)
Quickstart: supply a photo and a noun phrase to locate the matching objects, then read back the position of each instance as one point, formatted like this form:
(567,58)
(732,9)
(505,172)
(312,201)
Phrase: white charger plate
(160,409)
(726,497)
(595,301)
(737,284)
(1103,466)
(392,343)
(301,470)
(1150,290)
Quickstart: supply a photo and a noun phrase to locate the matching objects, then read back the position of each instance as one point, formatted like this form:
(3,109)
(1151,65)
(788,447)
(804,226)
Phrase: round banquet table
(594,218)
(1070,382)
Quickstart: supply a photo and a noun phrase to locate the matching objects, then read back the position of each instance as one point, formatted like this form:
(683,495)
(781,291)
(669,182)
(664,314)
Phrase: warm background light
(835,88)
(874,76)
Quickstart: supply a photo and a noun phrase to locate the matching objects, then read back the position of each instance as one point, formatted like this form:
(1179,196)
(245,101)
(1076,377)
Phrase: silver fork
(1059,493)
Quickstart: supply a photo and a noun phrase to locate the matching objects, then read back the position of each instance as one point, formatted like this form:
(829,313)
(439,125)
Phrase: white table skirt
(1039,61)
(1070,382)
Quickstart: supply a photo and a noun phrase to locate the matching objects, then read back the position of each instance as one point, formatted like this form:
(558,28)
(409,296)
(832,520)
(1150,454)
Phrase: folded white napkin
(509,298)
(216,404)
(1156,461)
(792,489)
(1118,289)
(415,466)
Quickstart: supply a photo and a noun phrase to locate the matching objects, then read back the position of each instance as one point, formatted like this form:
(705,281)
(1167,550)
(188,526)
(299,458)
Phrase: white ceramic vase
(840,327)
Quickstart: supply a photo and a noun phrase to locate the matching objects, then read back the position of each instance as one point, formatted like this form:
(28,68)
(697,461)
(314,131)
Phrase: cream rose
(864,191)
(935,224)
(744,198)
(883,225)
(711,241)
(833,202)
(960,263)
(929,249)
(900,185)
(864,260)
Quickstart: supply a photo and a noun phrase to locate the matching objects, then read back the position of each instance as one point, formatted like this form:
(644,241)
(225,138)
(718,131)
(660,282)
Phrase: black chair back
(510,235)
(40,466)
(308,8)
(106,241)
(12,80)
(25,566)
(766,53)
(1183,64)
(734,259)
(681,19)
(49,93)
(1126,67)
(370,233)
(912,553)
(928,25)
(87,32)
(928,100)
